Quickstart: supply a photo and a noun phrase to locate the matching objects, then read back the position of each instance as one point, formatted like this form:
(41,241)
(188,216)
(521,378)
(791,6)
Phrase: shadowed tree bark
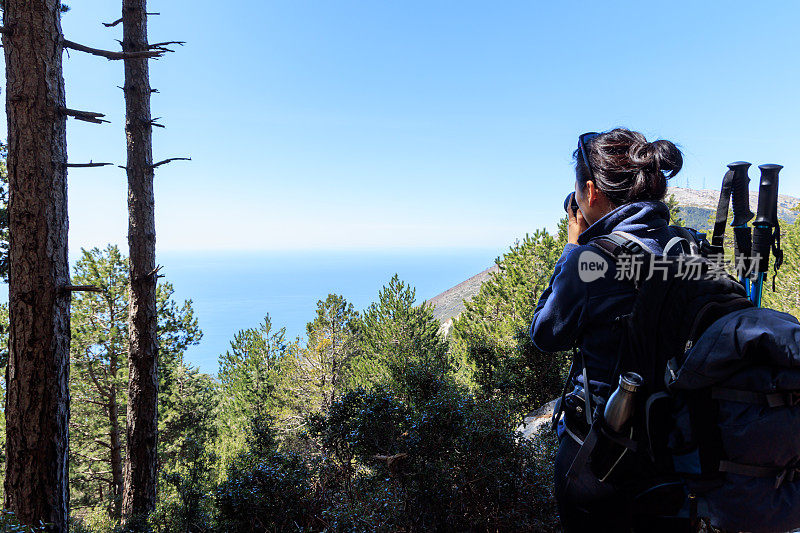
(139,495)
(37,403)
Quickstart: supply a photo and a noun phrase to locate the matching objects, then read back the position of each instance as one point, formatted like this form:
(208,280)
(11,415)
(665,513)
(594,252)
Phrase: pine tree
(674,211)
(98,379)
(492,335)
(99,361)
(141,463)
(187,431)
(38,366)
(320,370)
(398,339)
(252,377)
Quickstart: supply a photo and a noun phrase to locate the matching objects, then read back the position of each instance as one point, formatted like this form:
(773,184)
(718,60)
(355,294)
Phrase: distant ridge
(450,303)
(697,205)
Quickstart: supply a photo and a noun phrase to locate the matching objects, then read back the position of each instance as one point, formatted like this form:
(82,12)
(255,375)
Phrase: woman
(620,182)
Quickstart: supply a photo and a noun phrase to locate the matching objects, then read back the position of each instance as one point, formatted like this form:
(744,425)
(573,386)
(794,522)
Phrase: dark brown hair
(627,168)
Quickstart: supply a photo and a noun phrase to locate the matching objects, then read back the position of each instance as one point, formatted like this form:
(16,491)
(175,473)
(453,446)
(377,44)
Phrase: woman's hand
(576,225)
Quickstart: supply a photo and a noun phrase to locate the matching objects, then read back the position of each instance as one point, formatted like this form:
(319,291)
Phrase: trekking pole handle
(721,219)
(767,214)
(742,233)
(741,193)
(768,195)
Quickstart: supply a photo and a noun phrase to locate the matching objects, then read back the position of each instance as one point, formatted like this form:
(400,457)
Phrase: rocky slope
(450,303)
(698,205)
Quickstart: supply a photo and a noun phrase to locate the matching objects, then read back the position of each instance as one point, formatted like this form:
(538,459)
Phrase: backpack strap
(581,458)
(620,243)
(770,399)
(635,239)
(559,407)
(788,473)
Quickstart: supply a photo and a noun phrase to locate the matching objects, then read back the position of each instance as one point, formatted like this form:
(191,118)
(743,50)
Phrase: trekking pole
(767,231)
(718,235)
(741,216)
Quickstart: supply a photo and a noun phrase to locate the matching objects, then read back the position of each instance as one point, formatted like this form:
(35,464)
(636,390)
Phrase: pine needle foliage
(492,335)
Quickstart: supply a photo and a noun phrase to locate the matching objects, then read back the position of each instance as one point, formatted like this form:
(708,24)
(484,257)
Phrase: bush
(268,496)
(184,503)
(441,461)
(265,490)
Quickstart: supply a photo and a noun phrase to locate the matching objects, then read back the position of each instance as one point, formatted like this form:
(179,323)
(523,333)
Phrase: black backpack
(716,429)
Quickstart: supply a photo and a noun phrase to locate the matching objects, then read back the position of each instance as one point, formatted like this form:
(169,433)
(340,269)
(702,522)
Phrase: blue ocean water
(235,290)
(231,291)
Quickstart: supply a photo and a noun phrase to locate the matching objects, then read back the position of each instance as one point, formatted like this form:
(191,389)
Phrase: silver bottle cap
(630,381)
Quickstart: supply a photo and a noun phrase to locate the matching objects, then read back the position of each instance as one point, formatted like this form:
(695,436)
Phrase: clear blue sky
(343,124)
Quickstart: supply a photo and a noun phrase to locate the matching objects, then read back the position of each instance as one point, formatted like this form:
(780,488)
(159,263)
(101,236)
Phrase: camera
(570,203)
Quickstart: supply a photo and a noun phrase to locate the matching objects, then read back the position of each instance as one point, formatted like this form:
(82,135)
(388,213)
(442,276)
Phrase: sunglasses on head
(583,148)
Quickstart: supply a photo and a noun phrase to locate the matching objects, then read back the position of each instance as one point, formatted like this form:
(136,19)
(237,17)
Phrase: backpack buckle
(631,247)
(788,474)
(793,398)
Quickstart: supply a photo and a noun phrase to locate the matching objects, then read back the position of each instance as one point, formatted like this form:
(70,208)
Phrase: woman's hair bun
(628,168)
(666,157)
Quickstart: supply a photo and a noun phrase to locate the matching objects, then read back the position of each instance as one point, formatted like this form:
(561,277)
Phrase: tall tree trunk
(114,434)
(140,461)
(37,401)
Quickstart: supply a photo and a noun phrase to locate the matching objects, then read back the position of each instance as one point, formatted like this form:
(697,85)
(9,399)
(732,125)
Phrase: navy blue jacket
(571,309)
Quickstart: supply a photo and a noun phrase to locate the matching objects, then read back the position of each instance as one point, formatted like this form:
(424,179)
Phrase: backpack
(716,426)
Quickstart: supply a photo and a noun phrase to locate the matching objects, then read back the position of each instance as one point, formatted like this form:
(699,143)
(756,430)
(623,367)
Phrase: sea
(231,291)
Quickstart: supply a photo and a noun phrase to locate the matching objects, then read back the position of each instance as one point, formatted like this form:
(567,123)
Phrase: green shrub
(442,461)
(265,490)
(184,502)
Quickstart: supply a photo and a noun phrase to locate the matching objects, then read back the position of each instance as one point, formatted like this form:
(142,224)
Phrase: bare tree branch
(87,116)
(90,288)
(87,165)
(125,88)
(171,159)
(112,24)
(163,46)
(108,54)
(155,124)
(166,43)
(153,272)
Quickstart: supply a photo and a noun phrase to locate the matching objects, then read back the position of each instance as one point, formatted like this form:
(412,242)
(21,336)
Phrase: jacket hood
(641,219)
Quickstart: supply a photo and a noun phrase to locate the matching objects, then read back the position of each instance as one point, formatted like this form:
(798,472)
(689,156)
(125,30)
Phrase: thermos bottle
(617,417)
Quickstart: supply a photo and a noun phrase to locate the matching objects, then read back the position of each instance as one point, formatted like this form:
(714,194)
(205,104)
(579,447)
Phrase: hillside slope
(450,303)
